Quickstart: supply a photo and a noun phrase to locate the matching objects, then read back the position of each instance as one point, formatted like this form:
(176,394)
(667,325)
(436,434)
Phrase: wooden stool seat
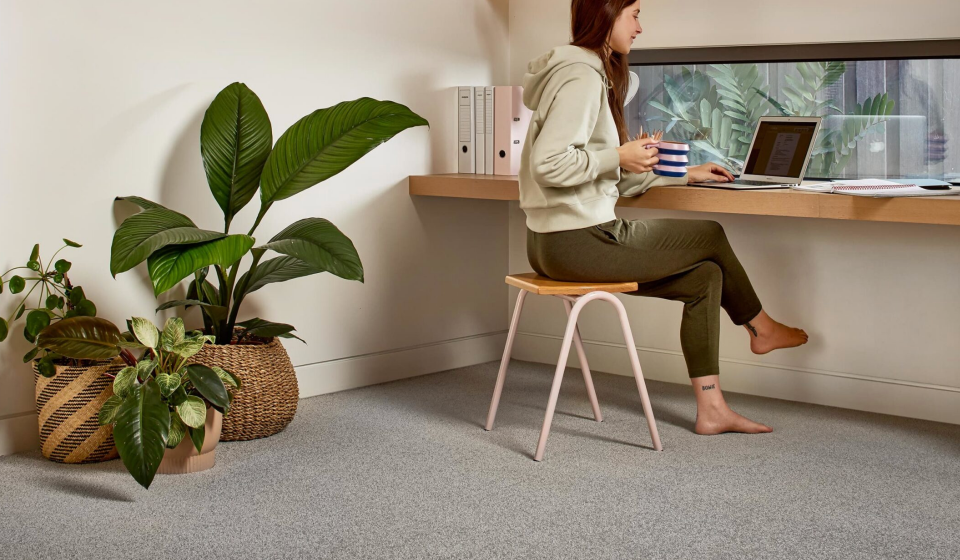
(574,295)
(543,286)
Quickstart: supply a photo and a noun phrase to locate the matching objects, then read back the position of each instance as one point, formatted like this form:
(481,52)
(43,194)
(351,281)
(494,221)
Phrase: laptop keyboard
(753,183)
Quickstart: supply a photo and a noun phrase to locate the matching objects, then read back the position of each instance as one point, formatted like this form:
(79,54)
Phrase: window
(890,110)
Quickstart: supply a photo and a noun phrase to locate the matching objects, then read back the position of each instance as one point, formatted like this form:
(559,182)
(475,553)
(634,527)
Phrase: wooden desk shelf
(943,210)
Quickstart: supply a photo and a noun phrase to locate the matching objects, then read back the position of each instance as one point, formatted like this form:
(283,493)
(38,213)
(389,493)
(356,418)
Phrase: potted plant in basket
(74,353)
(166,413)
(235,143)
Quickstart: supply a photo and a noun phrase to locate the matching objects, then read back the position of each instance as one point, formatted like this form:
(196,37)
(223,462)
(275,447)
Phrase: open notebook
(878,188)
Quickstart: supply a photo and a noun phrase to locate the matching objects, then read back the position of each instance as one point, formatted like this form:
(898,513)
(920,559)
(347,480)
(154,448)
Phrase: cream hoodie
(570,174)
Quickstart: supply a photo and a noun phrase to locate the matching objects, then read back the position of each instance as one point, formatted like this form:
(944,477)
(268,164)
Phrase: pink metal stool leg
(637,372)
(558,375)
(505,360)
(587,379)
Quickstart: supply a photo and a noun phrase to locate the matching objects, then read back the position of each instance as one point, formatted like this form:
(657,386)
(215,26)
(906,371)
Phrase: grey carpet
(405,470)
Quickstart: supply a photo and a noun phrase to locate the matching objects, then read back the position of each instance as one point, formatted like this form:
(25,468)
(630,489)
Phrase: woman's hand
(635,156)
(708,172)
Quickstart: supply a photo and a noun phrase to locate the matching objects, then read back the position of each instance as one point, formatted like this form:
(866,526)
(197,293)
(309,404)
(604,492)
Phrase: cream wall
(880,301)
(105,98)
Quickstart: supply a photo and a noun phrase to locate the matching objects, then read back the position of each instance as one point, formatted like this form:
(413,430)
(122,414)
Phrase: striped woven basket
(68,404)
(268,395)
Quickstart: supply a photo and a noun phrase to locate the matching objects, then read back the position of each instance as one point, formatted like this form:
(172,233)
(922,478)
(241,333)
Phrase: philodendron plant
(63,325)
(160,400)
(235,143)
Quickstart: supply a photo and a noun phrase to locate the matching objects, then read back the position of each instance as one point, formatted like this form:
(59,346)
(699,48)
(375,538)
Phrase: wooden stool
(575,296)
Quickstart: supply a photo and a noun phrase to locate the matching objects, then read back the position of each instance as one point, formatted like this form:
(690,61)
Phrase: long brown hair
(591,22)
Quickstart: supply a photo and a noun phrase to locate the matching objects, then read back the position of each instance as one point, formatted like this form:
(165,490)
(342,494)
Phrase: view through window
(881,118)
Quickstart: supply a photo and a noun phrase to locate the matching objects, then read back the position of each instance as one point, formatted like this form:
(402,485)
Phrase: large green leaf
(279,269)
(177,432)
(147,205)
(328,141)
(266,329)
(320,244)
(82,338)
(197,436)
(172,264)
(227,377)
(181,303)
(145,331)
(208,384)
(168,383)
(125,381)
(108,410)
(140,235)
(173,333)
(235,140)
(141,430)
(189,347)
(193,411)
(37,320)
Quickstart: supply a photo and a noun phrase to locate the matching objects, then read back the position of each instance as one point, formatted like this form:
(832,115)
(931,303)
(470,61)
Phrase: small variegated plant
(160,400)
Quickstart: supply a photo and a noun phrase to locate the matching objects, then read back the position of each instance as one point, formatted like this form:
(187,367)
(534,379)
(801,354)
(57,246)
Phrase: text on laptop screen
(780,149)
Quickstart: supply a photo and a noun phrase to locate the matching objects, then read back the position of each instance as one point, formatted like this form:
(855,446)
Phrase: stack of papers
(878,188)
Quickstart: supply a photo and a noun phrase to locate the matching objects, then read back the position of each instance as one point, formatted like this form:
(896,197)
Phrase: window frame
(928,49)
(800,52)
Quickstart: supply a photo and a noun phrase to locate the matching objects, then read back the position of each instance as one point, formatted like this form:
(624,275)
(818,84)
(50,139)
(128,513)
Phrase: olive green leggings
(682,260)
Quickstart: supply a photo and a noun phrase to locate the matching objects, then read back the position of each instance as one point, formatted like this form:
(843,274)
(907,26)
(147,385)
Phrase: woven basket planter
(268,395)
(68,404)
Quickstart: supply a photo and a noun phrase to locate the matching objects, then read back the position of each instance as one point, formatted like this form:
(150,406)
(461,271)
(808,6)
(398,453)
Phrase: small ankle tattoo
(708,387)
(752,329)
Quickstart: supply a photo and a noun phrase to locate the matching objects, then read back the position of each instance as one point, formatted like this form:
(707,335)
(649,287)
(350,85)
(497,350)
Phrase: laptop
(778,156)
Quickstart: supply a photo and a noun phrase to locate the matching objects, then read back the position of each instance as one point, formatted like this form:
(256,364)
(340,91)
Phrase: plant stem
(225,326)
(128,357)
(11,270)
(22,302)
(64,294)
(57,253)
(223,284)
(218,325)
(241,292)
(263,211)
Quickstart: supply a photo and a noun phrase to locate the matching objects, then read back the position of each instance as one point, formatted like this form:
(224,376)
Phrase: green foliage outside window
(716,112)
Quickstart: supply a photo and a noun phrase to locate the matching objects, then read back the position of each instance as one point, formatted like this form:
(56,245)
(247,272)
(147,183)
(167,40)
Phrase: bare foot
(767,335)
(712,421)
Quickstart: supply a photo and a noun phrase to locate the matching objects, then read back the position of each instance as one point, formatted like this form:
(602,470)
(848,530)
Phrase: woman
(578,159)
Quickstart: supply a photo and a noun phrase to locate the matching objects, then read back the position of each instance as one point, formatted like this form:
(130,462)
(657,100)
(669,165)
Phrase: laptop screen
(780,149)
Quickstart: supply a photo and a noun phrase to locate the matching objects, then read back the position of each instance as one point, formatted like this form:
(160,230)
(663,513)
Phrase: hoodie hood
(540,70)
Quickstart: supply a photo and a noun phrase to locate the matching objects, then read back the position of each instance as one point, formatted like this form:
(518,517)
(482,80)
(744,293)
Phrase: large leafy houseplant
(63,325)
(235,143)
(160,400)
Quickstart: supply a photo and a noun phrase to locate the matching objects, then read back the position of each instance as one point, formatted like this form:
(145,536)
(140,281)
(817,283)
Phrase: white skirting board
(391,365)
(899,398)
(19,432)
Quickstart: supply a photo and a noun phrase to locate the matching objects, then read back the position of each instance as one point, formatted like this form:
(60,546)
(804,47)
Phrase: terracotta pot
(268,396)
(67,407)
(184,458)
